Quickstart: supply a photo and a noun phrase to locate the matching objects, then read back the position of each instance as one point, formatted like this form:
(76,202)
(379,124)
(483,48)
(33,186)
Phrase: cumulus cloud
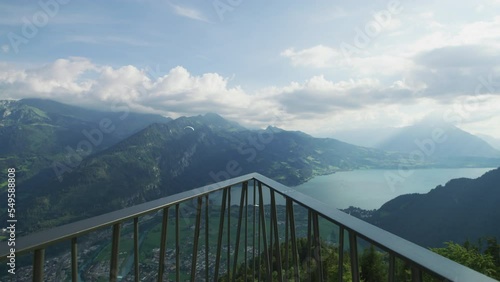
(318,100)
(81,82)
(455,71)
(319,96)
(52,80)
(178,92)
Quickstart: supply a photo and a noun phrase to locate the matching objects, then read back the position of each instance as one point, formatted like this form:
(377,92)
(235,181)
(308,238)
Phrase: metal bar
(271,237)
(426,260)
(416,273)
(392,267)
(238,230)
(295,254)
(246,229)
(206,238)
(177,245)
(309,244)
(287,245)
(163,243)
(276,236)
(42,239)
(196,238)
(136,249)
(228,266)
(219,239)
(353,246)
(254,230)
(74,260)
(341,253)
(317,255)
(264,235)
(259,239)
(38,260)
(115,248)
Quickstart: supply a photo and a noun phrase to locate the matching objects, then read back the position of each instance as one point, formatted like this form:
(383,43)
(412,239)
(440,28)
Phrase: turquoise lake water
(370,189)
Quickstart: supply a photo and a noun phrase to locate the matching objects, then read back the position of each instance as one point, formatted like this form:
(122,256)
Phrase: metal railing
(263,245)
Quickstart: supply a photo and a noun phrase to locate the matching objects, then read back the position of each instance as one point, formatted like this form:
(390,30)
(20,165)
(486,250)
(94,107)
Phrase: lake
(370,189)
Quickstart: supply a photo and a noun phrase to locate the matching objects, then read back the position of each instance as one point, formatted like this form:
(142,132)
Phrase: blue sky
(315,66)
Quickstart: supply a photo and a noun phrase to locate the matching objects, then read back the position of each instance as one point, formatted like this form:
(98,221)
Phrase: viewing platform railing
(249,228)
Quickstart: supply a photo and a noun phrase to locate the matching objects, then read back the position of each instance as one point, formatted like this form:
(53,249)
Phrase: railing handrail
(76,229)
(429,260)
(379,237)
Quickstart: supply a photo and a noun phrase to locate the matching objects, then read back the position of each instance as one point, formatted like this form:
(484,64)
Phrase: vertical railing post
(38,260)
(341,253)
(392,266)
(259,236)
(287,245)
(163,244)
(238,230)
(115,249)
(207,249)
(228,266)
(177,245)
(219,239)
(74,260)
(264,235)
(295,253)
(317,250)
(416,273)
(246,229)
(276,235)
(136,249)
(309,244)
(353,246)
(196,238)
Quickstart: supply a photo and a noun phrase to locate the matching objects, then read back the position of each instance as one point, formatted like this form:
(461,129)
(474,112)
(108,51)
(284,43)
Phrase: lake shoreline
(347,188)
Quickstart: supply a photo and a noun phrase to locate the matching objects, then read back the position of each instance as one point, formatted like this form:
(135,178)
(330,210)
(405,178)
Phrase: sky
(316,66)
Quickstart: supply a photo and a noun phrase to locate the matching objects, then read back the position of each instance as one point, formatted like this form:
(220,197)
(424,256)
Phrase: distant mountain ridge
(149,156)
(182,154)
(460,210)
(36,132)
(494,142)
(455,143)
(436,143)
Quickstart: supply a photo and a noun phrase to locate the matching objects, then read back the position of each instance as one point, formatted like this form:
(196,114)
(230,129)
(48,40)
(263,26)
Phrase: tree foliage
(472,257)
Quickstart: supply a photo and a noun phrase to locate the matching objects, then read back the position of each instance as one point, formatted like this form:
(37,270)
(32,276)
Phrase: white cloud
(319,56)
(188,13)
(311,105)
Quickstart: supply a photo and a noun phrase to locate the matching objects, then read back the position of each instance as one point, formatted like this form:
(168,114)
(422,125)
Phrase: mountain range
(83,168)
(34,133)
(75,163)
(439,141)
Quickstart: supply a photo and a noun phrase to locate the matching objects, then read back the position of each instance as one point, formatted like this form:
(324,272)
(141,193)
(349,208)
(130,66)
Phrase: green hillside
(188,152)
(463,209)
